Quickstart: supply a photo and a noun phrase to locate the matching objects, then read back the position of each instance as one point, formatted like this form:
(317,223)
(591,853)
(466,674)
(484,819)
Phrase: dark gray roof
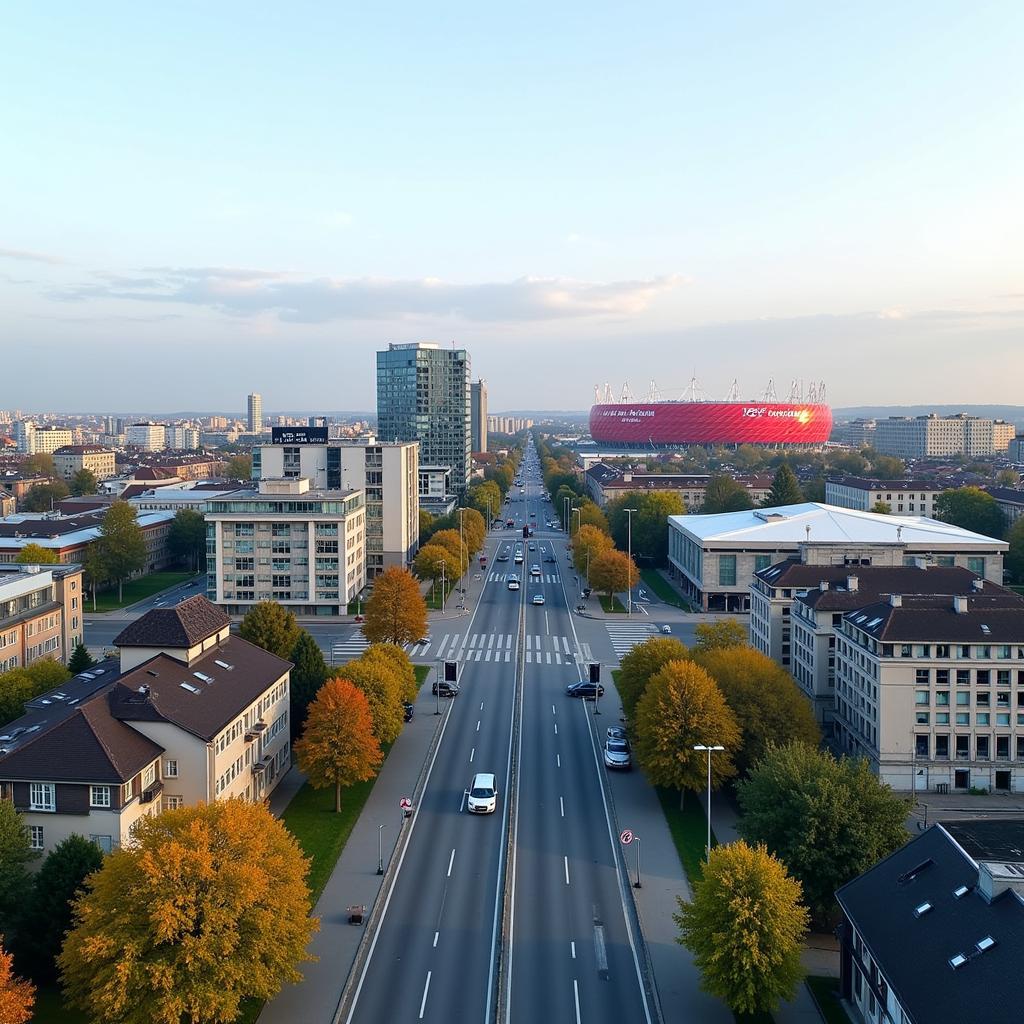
(996,617)
(987,839)
(1007,495)
(865,484)
(184,625)
(913,950)
(200,698)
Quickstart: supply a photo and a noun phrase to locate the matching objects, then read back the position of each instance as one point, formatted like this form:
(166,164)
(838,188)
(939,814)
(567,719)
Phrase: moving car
(483,794)
(513,583)
(548,557)
(445,689)
(535,569)
(616,732)
(617,754)
(538,598)
(586,690)
(533,547)
(503,557)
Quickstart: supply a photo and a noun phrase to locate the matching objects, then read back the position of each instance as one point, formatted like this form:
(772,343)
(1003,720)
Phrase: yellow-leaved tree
(396,612)
(206,907)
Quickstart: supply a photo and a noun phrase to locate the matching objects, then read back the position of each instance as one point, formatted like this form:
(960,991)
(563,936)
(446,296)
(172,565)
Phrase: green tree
(381,683)
(681,707)
(84,482)
(307,676)
(271,626)
(1015,554)
(44,497)
(745,927)
(972,509)
(207,906)
(80,659)
(724,494)
(888,467)
(239,467)
(882,508)
(613,572)
(396,612)
(829,820)
(849,463)
(426,522)
(94,570)
(121,544)
(650,523)
(785,489)
(36,554)
(15,853)
(22,684)
(56,885)
(713,636)
(1008,478)
(187,538)
(590,515)
(485,497)
(40,464)
(749,458)
(640,664)
(338,747)
(768,706)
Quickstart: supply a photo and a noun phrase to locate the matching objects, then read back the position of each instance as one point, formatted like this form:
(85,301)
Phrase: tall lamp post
(565,514)
(462,555)
(443,567)
(629,551)
(576,512)
(702,746)
(380,850)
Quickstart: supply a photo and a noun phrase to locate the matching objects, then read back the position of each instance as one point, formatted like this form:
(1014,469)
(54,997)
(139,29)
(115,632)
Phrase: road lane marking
(478,725)
(572,949)
(547,628)
(561,806)
(435,939)
(558,760)
(481,705)
(471,753)
(462,801)
(426,989)
(553,710)
(556,728)
(451,861)
(566,862)
(575,995)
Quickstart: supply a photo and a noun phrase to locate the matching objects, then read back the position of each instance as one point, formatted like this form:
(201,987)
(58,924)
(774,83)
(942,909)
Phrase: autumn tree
(453,544)
(44,497)
(271,626)
(308,674)
(433,562)
(829,820)
(485,497)
(589,542)
(681,707)
(381,683)
(338,747)
(239,467)
(711,636)
(613,572)
(640,664)
(768,706)
(36,554)
(745,927)
(54,888)
(17,997)
(84,482)
(80,659)
(785,489)
(474,530)
(590,514)
(426,521)
(121,544)
(400,663)
(396,612)
(724,494)
(972,509)
(207,906)
(187,538)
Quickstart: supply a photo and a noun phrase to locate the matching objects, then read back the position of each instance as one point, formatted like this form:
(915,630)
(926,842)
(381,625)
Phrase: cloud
(297,299)
(31,257)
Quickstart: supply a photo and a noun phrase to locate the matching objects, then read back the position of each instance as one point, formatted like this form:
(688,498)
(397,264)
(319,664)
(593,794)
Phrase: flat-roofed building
(40,613)
(71,459)
(904,497)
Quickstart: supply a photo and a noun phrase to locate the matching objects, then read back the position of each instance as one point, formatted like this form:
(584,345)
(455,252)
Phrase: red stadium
(677,424)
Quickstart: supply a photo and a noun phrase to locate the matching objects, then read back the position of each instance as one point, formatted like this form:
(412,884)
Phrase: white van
(483,795)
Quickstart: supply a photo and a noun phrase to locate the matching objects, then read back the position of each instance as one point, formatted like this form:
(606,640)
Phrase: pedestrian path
(624,636)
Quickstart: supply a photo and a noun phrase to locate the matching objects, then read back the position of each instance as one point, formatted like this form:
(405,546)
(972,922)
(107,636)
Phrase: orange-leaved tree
(589,542)
(338,747)
(380,682)
(455,546)
(396,612)
(207,906)
(613,572)
(16,996)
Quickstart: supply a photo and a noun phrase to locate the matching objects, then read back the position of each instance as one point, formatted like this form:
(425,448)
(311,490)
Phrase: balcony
(148,795)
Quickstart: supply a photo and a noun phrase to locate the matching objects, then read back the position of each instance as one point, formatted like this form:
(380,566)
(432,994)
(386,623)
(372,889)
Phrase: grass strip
(825,990)
(139,590)
(689,830)
(665,591)
(612,604)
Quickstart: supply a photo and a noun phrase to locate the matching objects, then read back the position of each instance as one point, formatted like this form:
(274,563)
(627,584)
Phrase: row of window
(982,718)
(962,747)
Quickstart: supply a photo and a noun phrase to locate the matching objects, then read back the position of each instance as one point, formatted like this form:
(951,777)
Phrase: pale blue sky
(208,199)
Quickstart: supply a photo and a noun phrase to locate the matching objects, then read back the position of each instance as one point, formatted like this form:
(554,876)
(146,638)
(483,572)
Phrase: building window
(921,746)
(170,769)
(981,747)
(105,843)
(99,796)
(172,803)
(149,776)
(942,747)
(41,797)
(35,837)
(976,565)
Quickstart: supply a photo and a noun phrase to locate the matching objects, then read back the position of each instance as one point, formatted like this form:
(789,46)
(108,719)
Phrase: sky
(201,200)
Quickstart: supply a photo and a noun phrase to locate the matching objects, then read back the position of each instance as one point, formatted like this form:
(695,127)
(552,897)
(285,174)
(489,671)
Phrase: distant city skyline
(268,197)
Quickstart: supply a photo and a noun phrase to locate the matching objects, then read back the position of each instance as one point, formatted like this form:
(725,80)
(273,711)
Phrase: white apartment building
(34,440)
(150,437)
(387,473)
(288,543)
(933,436)
(931,691)
(904,497)
(100,461)
(181,438)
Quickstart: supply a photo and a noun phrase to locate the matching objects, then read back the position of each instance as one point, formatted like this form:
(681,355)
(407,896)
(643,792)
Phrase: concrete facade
(904,497)
(98,460)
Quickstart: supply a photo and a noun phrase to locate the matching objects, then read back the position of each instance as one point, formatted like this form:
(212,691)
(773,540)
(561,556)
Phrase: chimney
(896,600)
(995,878)
(977,585)
(852,584)
(960,604)
(627,478)
(823,586)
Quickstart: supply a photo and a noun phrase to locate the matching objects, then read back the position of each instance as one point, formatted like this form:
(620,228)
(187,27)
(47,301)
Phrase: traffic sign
(405,802)
(626,837)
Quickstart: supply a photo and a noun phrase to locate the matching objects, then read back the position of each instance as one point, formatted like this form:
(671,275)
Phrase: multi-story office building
(1015,450)
(288,543)
(508,424)
(182,438)
(478,413)
(933,436)
(386,472)
(255,413)
(189,713)
(435,494)
(423,394)
(913,497)
(35,440)
(931,690)
(150,437)
(40,613)
(857,434)
(98,460)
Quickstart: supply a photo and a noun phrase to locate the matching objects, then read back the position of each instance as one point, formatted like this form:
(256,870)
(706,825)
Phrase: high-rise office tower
(478,404)
(423,394)
(255,413)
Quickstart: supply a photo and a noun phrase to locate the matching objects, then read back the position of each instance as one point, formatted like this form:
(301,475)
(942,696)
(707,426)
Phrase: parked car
(483,794)
(616,732)
(586,690)
(445,689)
(617,753)
(408,709)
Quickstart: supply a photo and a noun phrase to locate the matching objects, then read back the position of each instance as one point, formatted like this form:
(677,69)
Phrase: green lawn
(434,599)
(826,991)
(656,582)
(138,590)
(612,604)
(422,672)
(689,830)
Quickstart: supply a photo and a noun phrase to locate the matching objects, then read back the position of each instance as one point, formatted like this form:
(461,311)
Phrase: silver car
(617,753)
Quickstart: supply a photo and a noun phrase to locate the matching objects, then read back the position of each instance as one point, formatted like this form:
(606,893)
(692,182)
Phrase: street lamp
(380,850)
(565,514)
(701,746)
(462,567)
(444,566)
(629,569)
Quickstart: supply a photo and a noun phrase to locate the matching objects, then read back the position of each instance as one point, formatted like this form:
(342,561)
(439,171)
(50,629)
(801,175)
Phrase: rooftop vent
(190,688)
(224,664)
(986,630)
(823,586)
(852,583)
(151,672)
(977,585)
(896,600)
(956,962)
(909,876)
(922,908)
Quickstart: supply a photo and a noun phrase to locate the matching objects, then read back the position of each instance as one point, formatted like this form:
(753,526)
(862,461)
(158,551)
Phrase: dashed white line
(572,949)
(561,806)
(436,934)
(478,725)
(565,860)
(558,760)
(553,709)
(426,989)
(471,753)
(556,728)
(575,995)
(451,861)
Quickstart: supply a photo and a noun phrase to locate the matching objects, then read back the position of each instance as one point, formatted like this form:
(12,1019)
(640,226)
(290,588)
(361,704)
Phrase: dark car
(586,690)
(548,557)
(408,709)
(444,689)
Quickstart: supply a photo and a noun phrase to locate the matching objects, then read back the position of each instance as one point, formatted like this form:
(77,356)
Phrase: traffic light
(451,672)
(595,672)
(526,531)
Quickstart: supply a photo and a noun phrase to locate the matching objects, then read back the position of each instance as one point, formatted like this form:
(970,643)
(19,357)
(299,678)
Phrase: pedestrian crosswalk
(624,636)
(501,577)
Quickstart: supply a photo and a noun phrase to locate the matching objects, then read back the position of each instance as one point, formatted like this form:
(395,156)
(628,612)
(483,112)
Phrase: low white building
(715,557)
(904,497)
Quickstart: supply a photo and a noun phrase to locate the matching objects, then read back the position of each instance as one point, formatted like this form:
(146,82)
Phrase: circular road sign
(626,837)
(405,802)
